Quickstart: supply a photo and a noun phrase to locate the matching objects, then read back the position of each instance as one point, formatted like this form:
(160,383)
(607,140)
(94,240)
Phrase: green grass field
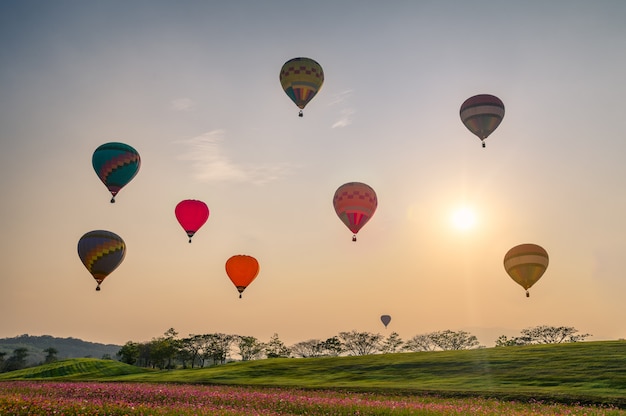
(584,372)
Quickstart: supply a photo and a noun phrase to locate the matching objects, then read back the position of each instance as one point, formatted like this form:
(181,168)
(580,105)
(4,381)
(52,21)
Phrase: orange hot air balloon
(526,264)
(355,203)
(242,270)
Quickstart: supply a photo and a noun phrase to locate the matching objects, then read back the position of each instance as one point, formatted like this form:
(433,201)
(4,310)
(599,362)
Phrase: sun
(463,218)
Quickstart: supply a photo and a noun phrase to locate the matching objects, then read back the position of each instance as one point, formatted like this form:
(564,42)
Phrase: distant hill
(66,347)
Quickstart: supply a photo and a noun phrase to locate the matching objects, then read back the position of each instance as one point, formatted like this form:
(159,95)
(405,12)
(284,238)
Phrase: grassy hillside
(589,372)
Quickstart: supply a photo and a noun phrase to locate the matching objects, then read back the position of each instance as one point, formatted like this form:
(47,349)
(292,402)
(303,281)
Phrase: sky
(193,86)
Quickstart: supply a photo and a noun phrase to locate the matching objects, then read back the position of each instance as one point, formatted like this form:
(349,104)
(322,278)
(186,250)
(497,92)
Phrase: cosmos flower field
(98,398)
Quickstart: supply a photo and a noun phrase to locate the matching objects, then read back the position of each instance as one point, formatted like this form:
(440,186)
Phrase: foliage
(543,334)
(393,343)
(250,348)
(585,372)
(66,347)
(444,340)
(26,398)
(360,343)
(275,348)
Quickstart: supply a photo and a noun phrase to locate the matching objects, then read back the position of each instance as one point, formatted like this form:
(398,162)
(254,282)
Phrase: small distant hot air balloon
(526,264)
(355,203)
(116,164)
(301,78)
(482,114)
(191,214)
(242,270)
(385,319)
(101,252)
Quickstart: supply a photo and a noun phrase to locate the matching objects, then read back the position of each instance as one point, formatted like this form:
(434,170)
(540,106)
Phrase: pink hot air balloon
(191,214)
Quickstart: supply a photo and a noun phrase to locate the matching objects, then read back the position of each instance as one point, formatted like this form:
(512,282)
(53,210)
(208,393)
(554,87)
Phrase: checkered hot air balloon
(101,252)
(191,215)
(526,263)
(115,164)
(482,114)
(355,203)
(301,78)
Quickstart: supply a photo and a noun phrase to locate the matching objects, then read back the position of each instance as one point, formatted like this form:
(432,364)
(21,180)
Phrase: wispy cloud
(346,113)
(211,165)
(182,104)
(345,118)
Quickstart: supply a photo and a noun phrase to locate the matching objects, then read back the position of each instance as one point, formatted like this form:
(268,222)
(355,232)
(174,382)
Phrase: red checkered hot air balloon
(191,214)
(301,78)
(355,203)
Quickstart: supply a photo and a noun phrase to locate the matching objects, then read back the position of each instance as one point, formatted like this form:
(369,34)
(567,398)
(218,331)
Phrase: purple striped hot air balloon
(482,114)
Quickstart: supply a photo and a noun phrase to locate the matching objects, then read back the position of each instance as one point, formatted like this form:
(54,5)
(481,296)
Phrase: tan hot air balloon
(526,264)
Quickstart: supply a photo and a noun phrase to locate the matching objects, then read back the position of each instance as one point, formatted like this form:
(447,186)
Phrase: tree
(190,349)
(504,341)
(275,348)
(544,334)
(217,347)
(51,355)
(310,348)
(17,361)
(392,343)
(360,343)
(332,347)
(250,348)
(421,342)
(451,340)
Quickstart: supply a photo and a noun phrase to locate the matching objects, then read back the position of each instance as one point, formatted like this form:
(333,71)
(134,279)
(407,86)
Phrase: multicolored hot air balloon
(301,78)
(115,164)
(242,270)
(385,319)
(191,214)
(101,252)
(526,264)
(482,114)
(355,203)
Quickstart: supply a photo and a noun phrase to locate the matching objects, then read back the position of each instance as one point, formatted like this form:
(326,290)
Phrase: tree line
(170,351)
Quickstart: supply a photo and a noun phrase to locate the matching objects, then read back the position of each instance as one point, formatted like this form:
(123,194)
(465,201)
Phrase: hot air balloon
(191,214)
(301,78)
(355,203)
(101,252)
(482,114)
(385,319)
(526,264)
(242,270)
(116,164)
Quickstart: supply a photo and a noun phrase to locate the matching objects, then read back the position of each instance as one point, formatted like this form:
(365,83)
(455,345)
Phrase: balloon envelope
(115,164)
(242,270)
(385,319)
(101,252)
(482,114)
(355,203)
(526,263)
(191,215)
(301,78)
